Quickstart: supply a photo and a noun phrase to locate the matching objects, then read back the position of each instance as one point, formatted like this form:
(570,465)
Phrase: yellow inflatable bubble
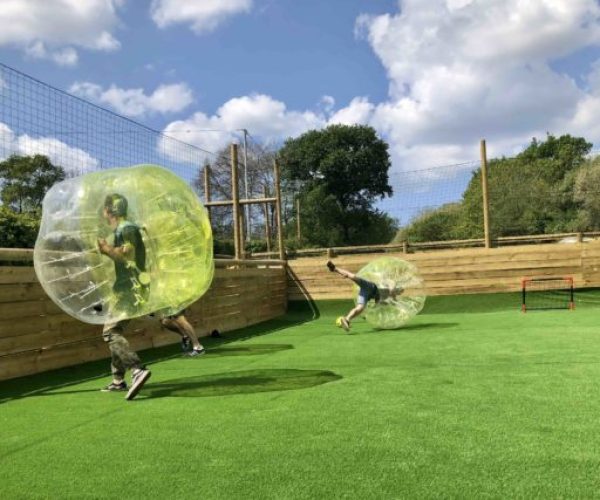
(122,243)
(401,292)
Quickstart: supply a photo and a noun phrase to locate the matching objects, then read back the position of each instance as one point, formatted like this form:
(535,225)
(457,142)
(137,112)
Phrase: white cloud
(265,117)
(327,104)
(359,111)
(204,16)
(73,160)
(63,57)
(170,98)
(461,70)
(51,29)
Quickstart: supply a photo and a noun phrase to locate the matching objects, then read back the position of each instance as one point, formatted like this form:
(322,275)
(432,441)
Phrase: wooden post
(278,210)
(267,221)
(207,188)
(298,232)
(405,246)
(242,225)
(235,195)
(486,199)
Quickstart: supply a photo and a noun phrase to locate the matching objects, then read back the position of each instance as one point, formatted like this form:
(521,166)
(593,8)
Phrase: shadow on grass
(241,382)
(63,377)
(248,350)
(422,326)
(427,327)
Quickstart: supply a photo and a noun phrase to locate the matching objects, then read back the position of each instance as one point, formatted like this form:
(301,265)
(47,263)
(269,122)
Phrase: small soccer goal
(543,293)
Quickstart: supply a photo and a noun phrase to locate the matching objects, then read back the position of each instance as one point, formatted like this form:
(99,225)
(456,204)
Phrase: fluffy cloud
(359,111)
(51,29)
(203,16)
(170,98)
(262,115)
(461,70)
(63,57)
(73,160)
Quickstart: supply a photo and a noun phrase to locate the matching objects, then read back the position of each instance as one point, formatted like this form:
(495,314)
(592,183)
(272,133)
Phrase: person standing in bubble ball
(367,291)
(131,288)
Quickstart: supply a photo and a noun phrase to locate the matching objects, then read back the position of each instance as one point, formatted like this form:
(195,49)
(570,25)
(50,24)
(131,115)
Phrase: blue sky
(431,76)
(294,51)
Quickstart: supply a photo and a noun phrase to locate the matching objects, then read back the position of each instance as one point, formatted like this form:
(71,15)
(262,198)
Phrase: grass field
(473,399)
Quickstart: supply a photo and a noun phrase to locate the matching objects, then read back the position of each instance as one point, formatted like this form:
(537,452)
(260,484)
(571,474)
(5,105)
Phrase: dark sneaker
(215,334)
(186,344)
(330,266)
(112,387)
(139,379)
(195,352)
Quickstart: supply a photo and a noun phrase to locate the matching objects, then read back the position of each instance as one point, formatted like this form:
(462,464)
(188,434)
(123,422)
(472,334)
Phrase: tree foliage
(547,188)
(18,230)
(25,180)
(338,173)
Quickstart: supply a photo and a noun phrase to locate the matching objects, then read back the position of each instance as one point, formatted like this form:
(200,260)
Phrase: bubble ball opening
(401,290)
(161,219)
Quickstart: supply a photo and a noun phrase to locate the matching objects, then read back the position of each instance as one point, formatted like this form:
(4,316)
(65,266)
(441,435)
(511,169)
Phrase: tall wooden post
(298,231)
(267,221)
(242,226)
(207,188)
(486,198)
(235,196)
(278,210)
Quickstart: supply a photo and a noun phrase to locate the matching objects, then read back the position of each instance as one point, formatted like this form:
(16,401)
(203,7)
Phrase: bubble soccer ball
(169,263)
(401,291)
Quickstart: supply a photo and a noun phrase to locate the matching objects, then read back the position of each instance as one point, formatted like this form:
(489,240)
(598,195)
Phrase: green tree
(25,180)
(544,189)
(587,194)
(531,193)
(18,230)
(339,172)
(443,223)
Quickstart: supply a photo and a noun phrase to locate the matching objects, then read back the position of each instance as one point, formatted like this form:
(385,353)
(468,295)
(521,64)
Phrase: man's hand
(103,246)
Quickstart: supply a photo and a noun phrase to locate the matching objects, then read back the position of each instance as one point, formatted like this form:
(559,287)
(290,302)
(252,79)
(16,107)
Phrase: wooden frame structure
(236,203)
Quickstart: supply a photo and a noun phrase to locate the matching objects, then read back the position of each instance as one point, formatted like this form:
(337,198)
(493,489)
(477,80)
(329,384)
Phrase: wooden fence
(36,336)
(412,247)
(446,272)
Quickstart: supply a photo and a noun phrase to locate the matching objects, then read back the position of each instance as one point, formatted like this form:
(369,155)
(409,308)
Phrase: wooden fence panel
(36,336)
(458,271)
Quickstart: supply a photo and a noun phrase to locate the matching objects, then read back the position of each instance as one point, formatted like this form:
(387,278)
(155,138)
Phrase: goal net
(547,293)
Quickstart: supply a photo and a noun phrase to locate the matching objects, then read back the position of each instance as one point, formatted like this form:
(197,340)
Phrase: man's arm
(121,253)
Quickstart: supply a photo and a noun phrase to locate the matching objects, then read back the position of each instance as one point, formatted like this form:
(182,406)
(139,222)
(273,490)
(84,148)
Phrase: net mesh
(547,293)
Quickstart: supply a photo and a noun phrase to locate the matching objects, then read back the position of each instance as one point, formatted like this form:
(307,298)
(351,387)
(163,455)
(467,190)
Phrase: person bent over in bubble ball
(367,291)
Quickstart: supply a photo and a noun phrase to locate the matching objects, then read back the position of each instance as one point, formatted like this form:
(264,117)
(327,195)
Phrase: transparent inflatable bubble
(401,292)
(168,262)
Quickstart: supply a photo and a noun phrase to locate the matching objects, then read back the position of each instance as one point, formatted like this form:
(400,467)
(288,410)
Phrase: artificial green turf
(472,399)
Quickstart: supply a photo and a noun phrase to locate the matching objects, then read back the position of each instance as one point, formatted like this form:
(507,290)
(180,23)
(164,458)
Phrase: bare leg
(346,274)
(182,326)
(359,308)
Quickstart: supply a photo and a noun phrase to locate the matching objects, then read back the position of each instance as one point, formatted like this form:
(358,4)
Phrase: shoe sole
(137,387)
(197,355)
